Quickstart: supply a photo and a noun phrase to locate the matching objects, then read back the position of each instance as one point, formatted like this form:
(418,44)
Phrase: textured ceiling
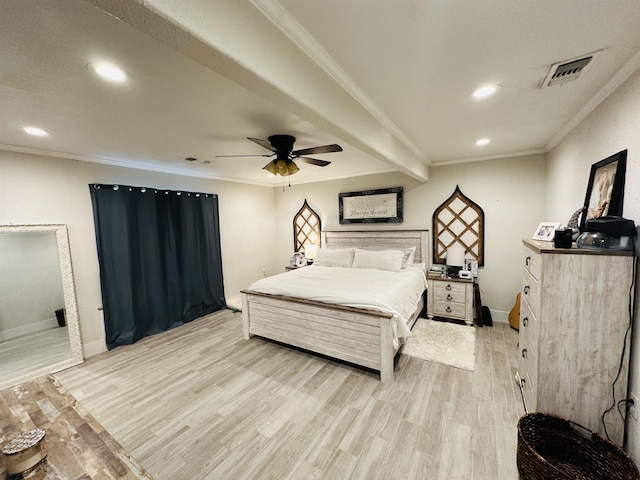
(387,80)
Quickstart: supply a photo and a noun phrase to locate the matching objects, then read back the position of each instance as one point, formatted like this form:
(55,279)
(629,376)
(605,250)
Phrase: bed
(367,337)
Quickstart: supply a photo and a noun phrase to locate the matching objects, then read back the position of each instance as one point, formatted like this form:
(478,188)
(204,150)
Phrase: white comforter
(394,292)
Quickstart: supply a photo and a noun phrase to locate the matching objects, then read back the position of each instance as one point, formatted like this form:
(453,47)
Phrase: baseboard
(235,303)
(94,348)
(499,316)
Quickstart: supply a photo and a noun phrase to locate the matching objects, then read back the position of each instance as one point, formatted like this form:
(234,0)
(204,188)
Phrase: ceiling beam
(236,40)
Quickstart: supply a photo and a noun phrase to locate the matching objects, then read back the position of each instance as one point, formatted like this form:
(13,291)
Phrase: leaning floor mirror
(39,329)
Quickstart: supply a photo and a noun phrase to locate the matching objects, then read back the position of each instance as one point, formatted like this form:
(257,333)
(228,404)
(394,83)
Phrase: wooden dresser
(574,315)
(450,298)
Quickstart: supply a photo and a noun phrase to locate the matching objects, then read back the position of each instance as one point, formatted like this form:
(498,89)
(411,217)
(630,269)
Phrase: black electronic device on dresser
(607,233)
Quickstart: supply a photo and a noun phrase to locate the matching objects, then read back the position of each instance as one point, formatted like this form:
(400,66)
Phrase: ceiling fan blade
(262,143)
(229,156)
(316,150)
(315,161)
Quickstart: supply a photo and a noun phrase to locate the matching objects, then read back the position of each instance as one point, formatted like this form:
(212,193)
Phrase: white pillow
(380,259)
(409,254)
(421,266)
(334,257)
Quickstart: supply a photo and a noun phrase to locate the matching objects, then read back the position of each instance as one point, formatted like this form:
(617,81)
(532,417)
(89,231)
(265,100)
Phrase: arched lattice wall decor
(458,219)
(306,228)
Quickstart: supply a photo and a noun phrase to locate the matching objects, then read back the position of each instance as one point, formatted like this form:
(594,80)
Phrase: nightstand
(288,268)
(450,298)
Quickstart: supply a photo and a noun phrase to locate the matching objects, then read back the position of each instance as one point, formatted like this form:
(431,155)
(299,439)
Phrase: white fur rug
(442,342)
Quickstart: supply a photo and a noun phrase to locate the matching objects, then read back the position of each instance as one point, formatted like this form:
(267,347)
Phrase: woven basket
(550,448)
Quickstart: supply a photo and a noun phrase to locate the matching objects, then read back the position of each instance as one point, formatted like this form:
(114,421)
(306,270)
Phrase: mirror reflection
(39,330)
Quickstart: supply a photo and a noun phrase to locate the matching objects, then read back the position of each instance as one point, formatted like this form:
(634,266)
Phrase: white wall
(613,126)
(511,192)
(35,189)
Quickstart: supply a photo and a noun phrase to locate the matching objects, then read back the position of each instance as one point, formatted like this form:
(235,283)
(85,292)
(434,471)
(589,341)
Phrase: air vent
(567,71)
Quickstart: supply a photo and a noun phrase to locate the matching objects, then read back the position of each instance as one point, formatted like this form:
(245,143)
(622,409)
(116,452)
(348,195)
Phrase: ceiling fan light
(292,168)
(271,167)
(281,168)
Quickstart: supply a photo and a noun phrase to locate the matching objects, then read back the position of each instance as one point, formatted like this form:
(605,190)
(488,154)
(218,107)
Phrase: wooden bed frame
(359,336)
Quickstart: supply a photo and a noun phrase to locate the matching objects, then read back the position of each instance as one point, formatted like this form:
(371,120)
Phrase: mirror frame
(70,303)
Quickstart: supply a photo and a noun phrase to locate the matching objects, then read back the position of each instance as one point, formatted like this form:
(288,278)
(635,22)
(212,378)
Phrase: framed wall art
(458,220)
(605,190)
(371,206)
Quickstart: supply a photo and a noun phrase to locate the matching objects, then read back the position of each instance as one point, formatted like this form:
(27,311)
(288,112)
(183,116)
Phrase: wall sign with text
(371,206)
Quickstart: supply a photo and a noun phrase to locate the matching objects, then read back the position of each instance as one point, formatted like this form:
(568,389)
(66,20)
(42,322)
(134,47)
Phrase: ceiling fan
(282,148)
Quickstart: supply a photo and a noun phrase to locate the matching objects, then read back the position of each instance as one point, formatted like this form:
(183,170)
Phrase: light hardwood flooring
(199,402)
(27,353)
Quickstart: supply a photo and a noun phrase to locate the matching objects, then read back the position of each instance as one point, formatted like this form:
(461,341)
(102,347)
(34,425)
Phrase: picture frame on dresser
(605,189)
(545,231)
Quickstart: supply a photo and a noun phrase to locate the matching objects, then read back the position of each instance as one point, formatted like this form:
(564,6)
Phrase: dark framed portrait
(605,190)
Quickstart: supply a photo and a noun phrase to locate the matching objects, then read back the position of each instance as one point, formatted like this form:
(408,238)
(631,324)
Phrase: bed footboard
(359,336)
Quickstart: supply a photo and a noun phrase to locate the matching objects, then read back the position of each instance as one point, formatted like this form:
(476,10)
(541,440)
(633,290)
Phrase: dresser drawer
(449,291)
(532,263)
(528,334)
(528,388)
(531,293)
(449,309)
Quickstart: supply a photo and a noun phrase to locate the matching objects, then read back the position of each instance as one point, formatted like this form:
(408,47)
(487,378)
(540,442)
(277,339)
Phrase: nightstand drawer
(449,309)
(449,291)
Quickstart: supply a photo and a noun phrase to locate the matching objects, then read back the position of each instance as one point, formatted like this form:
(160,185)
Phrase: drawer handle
(524,353)
(527,261)
(525,320)
(526,289)
(448,310)
(448,287)
(449,297)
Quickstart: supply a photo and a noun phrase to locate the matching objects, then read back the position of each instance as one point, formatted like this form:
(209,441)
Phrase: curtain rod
(131,188)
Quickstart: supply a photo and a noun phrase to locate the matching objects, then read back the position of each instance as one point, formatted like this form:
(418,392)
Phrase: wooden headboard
(381,240)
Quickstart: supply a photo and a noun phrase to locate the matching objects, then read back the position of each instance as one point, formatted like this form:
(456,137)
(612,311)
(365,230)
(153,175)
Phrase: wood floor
(199,402)
(76,445)
(28,353)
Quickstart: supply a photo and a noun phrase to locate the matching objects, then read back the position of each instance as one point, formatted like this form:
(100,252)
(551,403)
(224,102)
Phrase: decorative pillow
(409,254)
(334,257)
(380,259)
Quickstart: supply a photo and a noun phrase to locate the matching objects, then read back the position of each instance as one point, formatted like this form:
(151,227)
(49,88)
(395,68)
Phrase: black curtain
(160,259)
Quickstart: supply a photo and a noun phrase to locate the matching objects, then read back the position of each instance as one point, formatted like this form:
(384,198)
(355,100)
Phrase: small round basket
(551,448)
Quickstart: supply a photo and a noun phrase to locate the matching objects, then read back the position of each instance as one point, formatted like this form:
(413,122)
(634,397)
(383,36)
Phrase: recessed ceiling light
(485,91)
(35,131)
(482,141)
(109,72)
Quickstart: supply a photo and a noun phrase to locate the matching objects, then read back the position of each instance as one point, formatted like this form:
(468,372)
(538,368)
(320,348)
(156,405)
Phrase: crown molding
(126,164)
(523,153)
